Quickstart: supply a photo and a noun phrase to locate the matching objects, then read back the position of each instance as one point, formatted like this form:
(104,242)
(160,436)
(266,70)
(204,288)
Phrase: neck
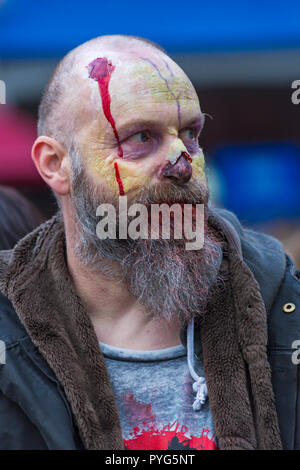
(118,318)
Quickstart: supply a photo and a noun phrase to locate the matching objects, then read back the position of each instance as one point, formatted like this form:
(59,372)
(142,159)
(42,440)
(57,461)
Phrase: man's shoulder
(278,279)
(264,255)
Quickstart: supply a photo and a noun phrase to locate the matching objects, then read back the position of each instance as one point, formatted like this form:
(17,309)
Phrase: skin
(145,111)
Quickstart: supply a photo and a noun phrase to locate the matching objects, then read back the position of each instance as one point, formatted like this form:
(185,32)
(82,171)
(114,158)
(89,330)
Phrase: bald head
(65,104)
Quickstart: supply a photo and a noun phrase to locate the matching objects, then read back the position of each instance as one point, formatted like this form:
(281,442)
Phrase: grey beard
(171,282)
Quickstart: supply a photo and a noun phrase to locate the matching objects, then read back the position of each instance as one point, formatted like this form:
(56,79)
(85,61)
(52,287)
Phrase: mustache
(195,192)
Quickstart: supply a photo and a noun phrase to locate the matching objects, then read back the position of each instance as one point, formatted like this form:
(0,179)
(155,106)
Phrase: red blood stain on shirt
(171,437)
(138,411)
(101,69)
(149,434)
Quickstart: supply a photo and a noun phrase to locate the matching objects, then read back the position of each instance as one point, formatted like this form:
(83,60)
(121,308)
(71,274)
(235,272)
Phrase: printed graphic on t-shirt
(149,434)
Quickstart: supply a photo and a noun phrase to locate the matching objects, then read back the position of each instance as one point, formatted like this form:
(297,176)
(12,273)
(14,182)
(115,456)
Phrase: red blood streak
(119,181)
(187,156)
(101,69)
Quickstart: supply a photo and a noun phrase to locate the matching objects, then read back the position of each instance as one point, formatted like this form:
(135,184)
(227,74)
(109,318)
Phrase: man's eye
(188,134)
(140,137)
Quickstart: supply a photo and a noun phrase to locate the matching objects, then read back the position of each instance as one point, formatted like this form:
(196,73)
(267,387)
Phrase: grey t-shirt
(154,395)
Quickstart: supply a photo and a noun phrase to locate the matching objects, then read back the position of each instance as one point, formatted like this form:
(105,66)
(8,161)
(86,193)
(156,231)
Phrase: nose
(179,172)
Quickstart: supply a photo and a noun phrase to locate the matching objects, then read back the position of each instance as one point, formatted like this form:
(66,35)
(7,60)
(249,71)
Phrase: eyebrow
(197,121)
(142,124)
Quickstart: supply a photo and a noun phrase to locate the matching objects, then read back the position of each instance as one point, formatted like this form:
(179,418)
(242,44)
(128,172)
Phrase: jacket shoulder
(263,254)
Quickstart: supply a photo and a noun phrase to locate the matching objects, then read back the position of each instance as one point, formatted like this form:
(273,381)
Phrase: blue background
(31,28)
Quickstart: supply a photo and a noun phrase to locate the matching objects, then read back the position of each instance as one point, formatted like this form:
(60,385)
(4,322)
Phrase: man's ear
(52,163)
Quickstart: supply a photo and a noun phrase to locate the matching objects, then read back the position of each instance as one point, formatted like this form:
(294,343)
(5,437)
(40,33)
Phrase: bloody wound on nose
(100,69)
(180,171)
(187,156)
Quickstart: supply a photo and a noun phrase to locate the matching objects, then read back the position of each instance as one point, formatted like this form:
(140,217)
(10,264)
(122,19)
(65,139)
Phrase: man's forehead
(141,81)
(147,85)
(152,78)
(142,70)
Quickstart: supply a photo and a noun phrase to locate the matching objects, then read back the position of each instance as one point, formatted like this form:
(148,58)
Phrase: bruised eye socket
(140,137)
(189,133)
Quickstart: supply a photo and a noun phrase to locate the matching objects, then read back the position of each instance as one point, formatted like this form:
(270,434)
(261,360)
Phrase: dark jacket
(36,413)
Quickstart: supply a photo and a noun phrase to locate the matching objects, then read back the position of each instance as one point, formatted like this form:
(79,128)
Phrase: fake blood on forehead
(101,69)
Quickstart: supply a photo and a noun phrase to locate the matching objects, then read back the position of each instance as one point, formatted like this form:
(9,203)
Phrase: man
(140,343)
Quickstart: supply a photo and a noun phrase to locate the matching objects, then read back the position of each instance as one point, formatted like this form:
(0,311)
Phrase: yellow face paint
(198,164)
(172,131)
(133,177)
(175,151)
(159,84)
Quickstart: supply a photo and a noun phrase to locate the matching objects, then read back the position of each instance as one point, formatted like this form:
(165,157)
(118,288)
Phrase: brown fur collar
(35,278)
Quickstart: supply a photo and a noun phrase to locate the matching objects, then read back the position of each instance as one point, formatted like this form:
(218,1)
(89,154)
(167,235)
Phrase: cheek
(104,169)
(198,164)
(132,176)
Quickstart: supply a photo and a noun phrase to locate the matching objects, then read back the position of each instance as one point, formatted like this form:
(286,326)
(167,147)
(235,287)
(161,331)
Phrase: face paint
(119,181)
(100,70)
(167,85)
(176,149)
(198,164)
(133,176)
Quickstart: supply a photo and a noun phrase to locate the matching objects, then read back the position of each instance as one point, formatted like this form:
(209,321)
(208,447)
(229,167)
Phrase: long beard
(170,281)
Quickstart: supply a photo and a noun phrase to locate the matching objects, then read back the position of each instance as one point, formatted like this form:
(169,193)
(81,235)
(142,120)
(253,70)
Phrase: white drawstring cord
(199,386)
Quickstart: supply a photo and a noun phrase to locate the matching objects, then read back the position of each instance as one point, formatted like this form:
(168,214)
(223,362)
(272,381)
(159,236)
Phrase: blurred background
(242,58)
